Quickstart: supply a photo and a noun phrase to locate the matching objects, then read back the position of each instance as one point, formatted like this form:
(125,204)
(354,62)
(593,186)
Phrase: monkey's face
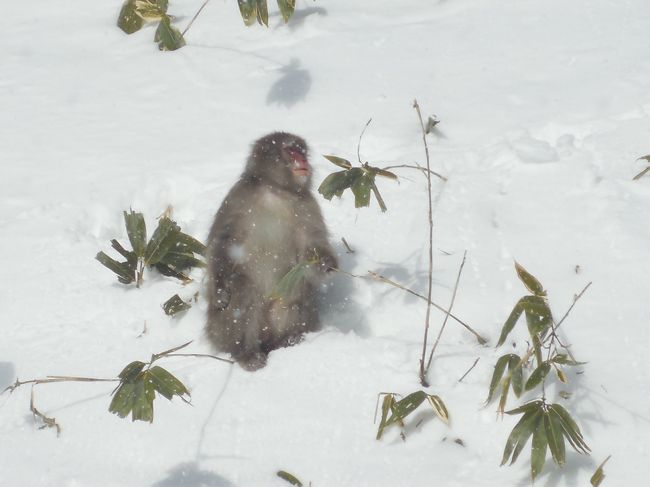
(295,155)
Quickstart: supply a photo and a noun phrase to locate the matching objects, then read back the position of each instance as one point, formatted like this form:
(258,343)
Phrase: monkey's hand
(327,261)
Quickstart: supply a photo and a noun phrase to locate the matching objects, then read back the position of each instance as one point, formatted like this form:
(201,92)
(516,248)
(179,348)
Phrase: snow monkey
(268,223)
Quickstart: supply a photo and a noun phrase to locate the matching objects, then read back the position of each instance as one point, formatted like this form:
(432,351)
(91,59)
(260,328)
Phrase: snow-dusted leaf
(538,375)
(168,37)
(516,373)
(530,281)
(497,375)
(519,435)
(128,20)
(137,231)
(339,161)
(361,189)
(166,384)
(510,322)
(538,450)
(175,305)
(402,408)
(286,9)
(163,238)
(125,272)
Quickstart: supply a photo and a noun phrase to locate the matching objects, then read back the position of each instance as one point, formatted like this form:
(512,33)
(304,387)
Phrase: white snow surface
(544,109)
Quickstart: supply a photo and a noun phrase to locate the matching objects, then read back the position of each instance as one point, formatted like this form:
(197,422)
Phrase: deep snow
(544,108)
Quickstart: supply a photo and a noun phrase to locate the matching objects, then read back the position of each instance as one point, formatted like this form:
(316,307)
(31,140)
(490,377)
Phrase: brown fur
(268,223)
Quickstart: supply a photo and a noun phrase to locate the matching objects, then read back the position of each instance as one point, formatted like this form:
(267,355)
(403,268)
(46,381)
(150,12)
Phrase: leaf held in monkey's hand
(284,290)
(168,37)
(286,9)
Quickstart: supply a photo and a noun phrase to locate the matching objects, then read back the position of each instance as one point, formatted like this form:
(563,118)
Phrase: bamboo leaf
(175,305)
(286,9)
(181,260)
(555,440)
(125,272)
(538,314)
(168,37)
(386,407)
(361,189)
(190,244)
(563,359)
(519,435)
(402,408)
(143,397)
(530,281)
(131,371)
(570,429)
(505,387)
(516,373)
(122,402)
(248,10)
(561,376)
(137,232)
(439,407)
(166,384)
(339,161)
(529,406)
(599,475)
(499,369)
(128,19)
(538,376)
(262,13)
(168,271)
(336,183)
(510,322)
(289,478)
(538,450)
(285,289)
(162,240)
(151,10)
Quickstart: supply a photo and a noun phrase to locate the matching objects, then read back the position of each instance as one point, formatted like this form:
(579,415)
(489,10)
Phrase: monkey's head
(281,159)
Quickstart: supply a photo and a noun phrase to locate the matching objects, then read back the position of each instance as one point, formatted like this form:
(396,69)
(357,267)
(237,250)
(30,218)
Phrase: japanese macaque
(268,223)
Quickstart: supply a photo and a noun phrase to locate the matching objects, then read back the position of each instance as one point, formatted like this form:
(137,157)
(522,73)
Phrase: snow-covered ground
(544,106)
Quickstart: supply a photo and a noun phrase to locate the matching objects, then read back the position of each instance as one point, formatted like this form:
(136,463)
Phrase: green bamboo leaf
(286,8)
(519,434)
(168,271)
(530,281)
(143,397)
(339,161)
(285,289)
(128,20)
(537,347)
(168,37)
(131,258)
(499,368)
(505,387)
(125,272)
(163,239)
(538,450)
(190,244)
(537,404)
(516,373)
(563,359)
(137,231)
(532,426)
(175,305)
(166,384)
(248,10)
(131,371)
(150,10)
(361,189)
(560,375)
(402,408)
(439,407)
(262,13)
(555,439)
(570,428)
(289,478)
(510,322)
(538,376)
(336,183)
(599,475)
(386,407)
(122,402)
(383,172)
(538,314)
(181,260)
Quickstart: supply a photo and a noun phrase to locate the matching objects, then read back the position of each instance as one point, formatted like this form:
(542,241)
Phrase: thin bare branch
(423,380)
(194,18)
(470,369)
(47,421)
(419,168)
(347,246)
(359,143)
(451,305)
(200,355)
(575,300)
(378,277)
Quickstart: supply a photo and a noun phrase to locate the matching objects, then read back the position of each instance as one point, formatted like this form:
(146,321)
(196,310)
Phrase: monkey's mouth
(299,164)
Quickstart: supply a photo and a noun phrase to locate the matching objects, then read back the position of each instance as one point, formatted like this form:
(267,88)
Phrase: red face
(298,158)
